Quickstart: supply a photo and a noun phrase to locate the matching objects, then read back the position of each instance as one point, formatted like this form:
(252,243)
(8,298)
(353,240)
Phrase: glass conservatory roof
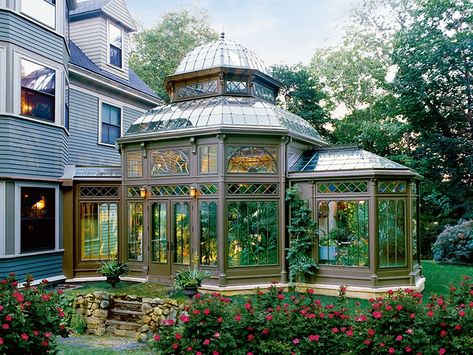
(342,158)
(221,111)
(218,54)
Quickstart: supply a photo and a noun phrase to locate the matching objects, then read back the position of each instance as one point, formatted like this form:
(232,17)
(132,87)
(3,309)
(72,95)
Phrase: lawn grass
(440,276)
(146,289)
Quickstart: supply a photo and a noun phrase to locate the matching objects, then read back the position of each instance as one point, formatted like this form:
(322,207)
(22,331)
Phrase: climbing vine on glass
(302,231)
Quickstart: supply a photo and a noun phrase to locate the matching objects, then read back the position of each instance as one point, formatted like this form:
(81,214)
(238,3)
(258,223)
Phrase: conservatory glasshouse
(204,178)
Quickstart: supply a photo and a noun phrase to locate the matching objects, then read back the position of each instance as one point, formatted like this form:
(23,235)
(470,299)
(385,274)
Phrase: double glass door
(170,236)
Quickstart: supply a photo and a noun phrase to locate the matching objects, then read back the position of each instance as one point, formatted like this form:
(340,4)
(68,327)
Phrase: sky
(278,31)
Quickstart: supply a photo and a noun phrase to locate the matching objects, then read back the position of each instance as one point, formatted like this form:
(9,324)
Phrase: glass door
(181,235)
(159,245)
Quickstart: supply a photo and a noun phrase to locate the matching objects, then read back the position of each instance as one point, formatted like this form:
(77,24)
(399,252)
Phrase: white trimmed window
(43,11)
(3,78)
(110,123)
(115,45)
(37,218)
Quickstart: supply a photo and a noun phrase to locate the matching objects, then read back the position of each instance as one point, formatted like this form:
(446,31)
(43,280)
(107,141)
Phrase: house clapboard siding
(91,36)
(84,131)
(34,38)
(119,10)
(31,149)
(43,265)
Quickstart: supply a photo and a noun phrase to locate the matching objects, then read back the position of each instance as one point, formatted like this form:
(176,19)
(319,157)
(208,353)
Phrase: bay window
(43,11)
(38,91)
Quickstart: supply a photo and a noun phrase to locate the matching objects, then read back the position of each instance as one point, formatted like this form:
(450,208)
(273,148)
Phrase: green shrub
(30,317)
(455,244)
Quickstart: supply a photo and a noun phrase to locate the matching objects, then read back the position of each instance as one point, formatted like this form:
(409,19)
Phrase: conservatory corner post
(282,206)
(373,231)
(221,212)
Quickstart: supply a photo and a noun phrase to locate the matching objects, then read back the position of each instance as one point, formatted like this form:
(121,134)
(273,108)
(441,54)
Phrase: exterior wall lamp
(193,191)
(143,192)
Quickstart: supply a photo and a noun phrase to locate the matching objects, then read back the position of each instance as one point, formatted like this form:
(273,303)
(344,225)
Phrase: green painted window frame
(208,159)
(135,231)
(208,233)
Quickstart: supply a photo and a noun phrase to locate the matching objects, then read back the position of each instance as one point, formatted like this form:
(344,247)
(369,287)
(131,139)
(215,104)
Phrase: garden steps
(122,328)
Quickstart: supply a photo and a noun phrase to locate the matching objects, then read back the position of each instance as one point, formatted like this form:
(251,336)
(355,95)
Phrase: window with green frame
(252,235)
(208,159)
(208,233)
(159,239)
(392,233)
(135,231)
(182,233)
(343,233)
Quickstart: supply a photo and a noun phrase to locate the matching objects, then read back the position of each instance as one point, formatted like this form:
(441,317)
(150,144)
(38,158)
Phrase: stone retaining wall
(125,315)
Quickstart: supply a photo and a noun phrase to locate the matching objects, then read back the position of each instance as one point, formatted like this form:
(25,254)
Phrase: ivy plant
(302,233)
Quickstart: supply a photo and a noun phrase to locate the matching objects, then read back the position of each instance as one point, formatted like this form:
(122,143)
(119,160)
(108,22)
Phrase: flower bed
(30,317)
(275,322)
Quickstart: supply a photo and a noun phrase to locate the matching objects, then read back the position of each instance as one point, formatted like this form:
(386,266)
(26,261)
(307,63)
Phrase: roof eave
(361,173)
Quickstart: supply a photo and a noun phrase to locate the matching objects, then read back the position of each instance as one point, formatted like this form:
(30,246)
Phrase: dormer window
(115,40)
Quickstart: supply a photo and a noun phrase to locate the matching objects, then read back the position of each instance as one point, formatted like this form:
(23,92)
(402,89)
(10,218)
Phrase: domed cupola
(223,86)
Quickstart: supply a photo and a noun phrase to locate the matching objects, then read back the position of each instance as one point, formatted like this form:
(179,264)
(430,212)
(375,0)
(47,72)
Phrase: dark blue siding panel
(40,266)
(84,131)
(18,30)
(31,149)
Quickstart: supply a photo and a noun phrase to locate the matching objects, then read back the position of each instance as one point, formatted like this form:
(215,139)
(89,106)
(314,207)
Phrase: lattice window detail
(392,186)
(342,187)
(199,88)
(99,191)
(170,190)
(252,189)
(208,189)
(134,191)
(238,87)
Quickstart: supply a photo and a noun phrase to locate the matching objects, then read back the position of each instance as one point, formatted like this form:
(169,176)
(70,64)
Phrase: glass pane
(197,88)
(88,225)
(236,87)
(392,233)
(342,187)
(252,160)
(208,233)
(343,233)
(115,56)
(263,92)
(182,237)
(170,162)
(115,114)
(135,231)
(208,159)
(115,35)
(159,240)
(43,11)
(106,113)
(38,85)
(415,256)
(392,186)
(38,220)
(252,233)
(135,164)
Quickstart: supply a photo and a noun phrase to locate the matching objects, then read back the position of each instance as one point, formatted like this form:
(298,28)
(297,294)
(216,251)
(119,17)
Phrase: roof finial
(222,36)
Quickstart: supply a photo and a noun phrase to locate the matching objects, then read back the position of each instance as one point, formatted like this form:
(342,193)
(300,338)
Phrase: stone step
(124,325)
(126,312)
(127,305)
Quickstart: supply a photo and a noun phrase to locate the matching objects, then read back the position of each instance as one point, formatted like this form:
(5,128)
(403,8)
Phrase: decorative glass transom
(253,189)
(170,190)
(198,89)
(342,187)
(392,186)
(170,162)
(133,191)
(236,87)
(99,191)
(251,160)
(208,189)
(263,92)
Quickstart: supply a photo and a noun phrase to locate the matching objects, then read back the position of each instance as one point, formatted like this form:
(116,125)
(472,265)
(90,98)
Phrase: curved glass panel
(208,233)
(392,233)
(263,92)
(182,236)
(252,160)
(343,233)
(170,162)
(135,231)
(220,53)
(159,240)
(221,110)
(252,237)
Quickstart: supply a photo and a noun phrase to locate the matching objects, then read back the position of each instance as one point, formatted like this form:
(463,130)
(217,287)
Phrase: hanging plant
(302,233)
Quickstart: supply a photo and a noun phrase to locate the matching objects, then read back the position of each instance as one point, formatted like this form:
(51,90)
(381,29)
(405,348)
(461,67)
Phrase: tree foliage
(160,49)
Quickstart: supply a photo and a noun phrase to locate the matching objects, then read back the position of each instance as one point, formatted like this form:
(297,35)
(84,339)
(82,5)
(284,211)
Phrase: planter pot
(327,253)
(113,280)
(190,291)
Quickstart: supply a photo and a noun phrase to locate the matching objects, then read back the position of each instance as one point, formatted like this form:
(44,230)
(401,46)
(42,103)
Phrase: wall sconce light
(143,192)
(193,191)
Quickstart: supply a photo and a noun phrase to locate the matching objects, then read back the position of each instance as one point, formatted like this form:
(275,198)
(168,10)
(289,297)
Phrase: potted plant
(190,279)
(113,269)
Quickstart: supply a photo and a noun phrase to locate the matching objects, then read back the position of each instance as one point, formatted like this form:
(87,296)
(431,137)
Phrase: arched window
(252,160)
